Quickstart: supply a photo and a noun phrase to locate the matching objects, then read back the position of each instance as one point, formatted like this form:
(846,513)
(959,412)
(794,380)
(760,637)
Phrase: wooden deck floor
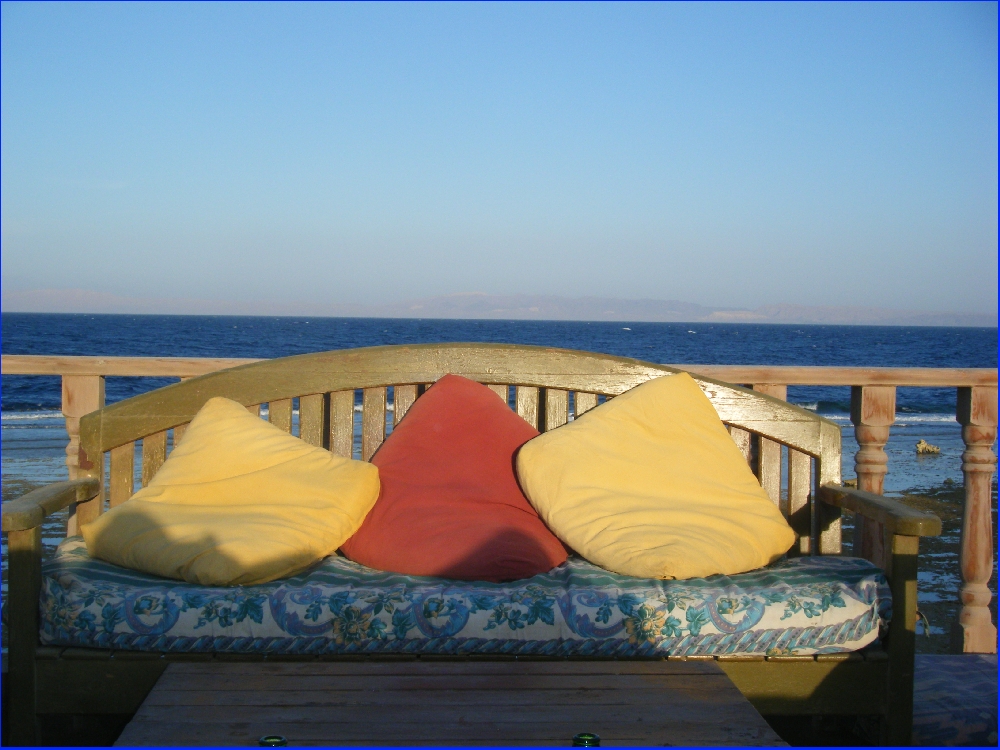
(955,700)
(447,703)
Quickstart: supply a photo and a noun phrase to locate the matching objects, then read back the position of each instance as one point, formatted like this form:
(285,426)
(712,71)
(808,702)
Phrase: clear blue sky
(724,154)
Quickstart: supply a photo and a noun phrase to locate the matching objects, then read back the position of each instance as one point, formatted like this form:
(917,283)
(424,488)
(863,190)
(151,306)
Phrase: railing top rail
(185,367)
(177,367)
(943,377)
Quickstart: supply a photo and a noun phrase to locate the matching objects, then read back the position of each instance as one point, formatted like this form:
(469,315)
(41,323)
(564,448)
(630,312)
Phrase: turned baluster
(873,411)
(81,394)
(974,631)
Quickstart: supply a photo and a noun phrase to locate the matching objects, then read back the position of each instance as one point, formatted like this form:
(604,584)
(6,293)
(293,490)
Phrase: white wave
(900,419)
(23,416)
(814,406)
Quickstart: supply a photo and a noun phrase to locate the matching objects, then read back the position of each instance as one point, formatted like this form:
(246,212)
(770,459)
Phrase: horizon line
(507,320)
(484,306)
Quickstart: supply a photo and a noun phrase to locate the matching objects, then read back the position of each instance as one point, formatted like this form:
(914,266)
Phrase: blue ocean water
(228,336)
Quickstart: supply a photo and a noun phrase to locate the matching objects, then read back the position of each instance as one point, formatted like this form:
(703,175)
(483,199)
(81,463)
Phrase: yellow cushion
(650,484)
(238,501)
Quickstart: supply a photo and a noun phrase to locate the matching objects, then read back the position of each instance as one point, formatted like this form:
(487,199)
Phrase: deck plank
(446,702)
(472,667)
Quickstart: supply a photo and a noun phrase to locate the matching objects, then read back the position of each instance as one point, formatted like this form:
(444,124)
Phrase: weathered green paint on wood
(897,517)
(789,688)
(403,397)
(121,480)
(342,423)
(902,638)
(796,504)
(311,418)
(526,400)
(279,413)
(583,402)
(30,510)
(154,453)
(556,408)
(373,403)
(24,560)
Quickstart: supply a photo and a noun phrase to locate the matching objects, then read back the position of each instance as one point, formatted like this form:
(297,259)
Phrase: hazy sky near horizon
(724,154)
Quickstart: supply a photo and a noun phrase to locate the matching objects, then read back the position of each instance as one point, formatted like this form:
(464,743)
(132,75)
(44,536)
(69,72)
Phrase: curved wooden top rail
(186,367)
(375,367)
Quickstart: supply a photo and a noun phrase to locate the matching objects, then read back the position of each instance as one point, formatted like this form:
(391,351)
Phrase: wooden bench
(545,386)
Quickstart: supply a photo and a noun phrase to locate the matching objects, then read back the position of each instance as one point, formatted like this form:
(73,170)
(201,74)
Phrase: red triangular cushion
(450,504)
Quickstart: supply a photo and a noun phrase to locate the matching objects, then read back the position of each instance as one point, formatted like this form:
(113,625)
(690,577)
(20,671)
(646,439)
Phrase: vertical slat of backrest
(797,508)
(279,413)
(372,421)
(154,452)
(501,390)
(742,440)
(342,423)
(556,408)
(583,402)
(179,431)
(403,397)
(527,404)
(768,467)
(121,483)
(825,519)
(311,418)
(390,410)
(254,409)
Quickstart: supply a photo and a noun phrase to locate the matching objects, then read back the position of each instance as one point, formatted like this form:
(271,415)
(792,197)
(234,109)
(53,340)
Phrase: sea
(34,436)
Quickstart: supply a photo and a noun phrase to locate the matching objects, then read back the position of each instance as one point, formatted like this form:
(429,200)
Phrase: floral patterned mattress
(803,605)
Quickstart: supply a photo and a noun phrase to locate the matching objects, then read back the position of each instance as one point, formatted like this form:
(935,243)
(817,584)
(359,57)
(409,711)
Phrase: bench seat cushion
(802,605)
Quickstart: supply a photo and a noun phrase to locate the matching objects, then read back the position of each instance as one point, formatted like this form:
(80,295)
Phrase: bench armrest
(897,517)
(29,511)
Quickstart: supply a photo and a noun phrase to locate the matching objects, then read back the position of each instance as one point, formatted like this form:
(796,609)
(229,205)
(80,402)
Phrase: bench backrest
(348,400)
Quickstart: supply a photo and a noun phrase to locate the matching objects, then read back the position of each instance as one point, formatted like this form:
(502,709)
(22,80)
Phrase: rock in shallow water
(925,448)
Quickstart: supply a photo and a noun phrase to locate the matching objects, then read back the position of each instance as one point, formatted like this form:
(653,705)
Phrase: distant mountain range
(493,306)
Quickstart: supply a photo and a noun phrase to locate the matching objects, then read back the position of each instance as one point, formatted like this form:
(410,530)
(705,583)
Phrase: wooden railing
(873,412)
